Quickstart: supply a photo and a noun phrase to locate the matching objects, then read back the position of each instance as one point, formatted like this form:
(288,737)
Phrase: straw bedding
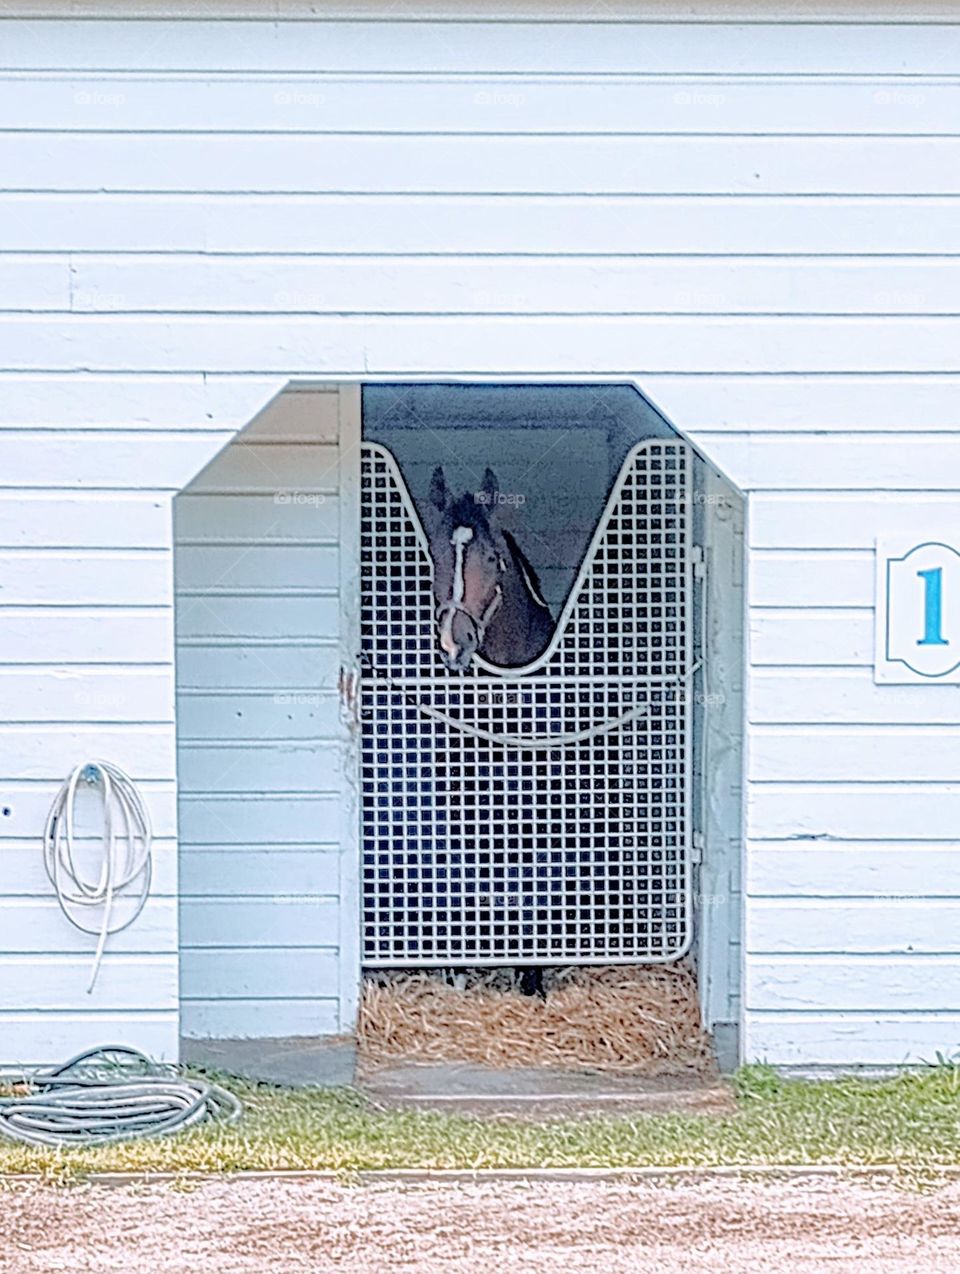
(639,1020)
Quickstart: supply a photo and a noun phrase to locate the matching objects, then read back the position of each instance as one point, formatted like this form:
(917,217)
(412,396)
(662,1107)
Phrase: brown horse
(489,600)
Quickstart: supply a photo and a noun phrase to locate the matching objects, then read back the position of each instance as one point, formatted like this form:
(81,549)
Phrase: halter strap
(449,610)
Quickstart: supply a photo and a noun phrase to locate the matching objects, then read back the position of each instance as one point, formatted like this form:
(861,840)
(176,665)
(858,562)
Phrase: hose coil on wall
(125,867)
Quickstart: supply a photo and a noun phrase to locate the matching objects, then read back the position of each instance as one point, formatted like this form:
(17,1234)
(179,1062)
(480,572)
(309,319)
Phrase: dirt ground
(250,1227)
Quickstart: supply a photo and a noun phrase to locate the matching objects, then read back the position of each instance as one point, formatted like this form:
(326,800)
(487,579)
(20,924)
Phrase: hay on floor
(643,1020)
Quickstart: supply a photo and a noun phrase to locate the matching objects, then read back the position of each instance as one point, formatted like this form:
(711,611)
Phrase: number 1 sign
(918,612)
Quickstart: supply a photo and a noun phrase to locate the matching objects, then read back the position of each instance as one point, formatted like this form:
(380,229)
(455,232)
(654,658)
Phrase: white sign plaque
(918,612)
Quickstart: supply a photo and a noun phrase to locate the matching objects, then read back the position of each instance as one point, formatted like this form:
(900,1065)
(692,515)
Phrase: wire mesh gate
(538,815)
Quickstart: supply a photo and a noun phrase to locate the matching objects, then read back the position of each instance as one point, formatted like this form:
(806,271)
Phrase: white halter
(448,612)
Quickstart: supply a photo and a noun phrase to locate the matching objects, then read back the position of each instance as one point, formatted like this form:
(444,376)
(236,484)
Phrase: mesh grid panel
(479,851)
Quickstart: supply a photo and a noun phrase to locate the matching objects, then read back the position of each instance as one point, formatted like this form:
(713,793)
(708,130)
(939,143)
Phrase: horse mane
(530,577)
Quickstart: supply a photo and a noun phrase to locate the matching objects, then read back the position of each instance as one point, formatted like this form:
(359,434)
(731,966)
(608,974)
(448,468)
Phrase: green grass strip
(912,1120)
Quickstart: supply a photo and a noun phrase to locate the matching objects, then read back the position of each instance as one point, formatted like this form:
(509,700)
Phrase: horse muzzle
(459,635)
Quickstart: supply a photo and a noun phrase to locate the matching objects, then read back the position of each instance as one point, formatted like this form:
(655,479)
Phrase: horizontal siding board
(846,520)
(468,104)
(297,974)
(77,579)
(502,165)
(44,400)
(110,634)
(275,469)
(855,462)
(794,580)
(563,346)
(24,875)
(838,1039)
(236,1019)
(28,803)
(854,811)
(832,754)
(864,983)
(284,715)
(800,404)
(222,817)
(296,417)
(502,47)
(258,923)
(852,926)
(829,638)
(28,1038)
(468,224)
(44,521)
(130,460)
(275,569)
(281,766)
(558,285)
(58,982)
(87,696)
(307,671)
(803,695)
(35,751)
(37,283)
(849,869)
(255,871)
(250,519)
(37,927)
(238,617)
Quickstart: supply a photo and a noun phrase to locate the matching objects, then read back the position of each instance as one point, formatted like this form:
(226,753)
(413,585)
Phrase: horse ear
(439,491)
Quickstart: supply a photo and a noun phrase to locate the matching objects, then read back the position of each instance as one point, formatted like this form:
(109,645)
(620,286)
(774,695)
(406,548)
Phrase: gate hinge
(696,849)
(699,562)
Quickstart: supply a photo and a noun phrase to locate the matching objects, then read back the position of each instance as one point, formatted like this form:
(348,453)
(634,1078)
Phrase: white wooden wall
(259,737)
(758,223)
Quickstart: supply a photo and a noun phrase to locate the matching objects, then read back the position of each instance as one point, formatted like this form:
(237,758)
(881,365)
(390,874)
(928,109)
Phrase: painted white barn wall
(257,581)
(756,222)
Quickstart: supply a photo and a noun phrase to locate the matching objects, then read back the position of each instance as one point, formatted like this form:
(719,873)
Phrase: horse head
(470,560)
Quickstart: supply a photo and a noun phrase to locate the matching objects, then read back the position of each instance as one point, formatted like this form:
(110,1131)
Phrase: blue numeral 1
(932,608)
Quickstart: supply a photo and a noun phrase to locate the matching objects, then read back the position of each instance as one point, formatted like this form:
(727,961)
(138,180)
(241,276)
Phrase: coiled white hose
(126,865)
(112,1093)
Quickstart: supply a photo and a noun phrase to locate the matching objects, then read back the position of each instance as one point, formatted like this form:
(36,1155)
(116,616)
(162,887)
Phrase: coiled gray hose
(107,1094)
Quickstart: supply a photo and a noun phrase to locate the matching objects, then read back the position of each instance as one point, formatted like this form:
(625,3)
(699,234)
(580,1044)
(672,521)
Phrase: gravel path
(238,1227)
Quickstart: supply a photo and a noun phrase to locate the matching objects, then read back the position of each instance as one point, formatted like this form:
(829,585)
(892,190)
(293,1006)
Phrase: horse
(489,600)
